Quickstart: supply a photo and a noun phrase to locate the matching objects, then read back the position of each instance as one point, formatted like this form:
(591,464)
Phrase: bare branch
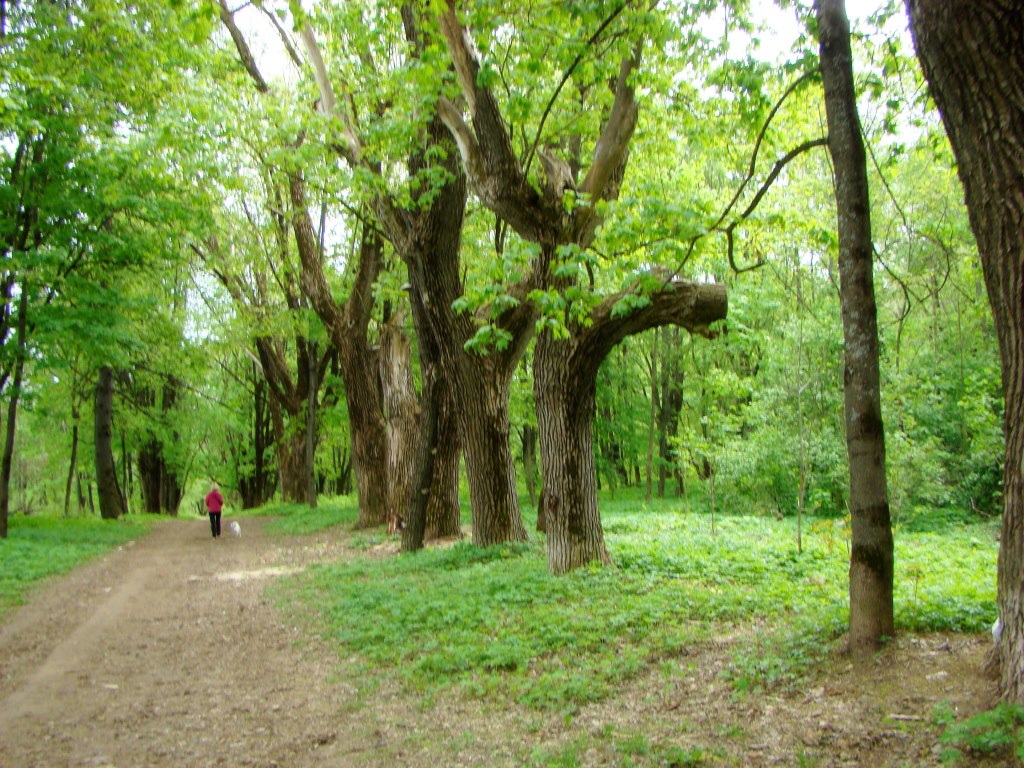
(286,40)
(757,145)
(613,145)
(351,148)
(227,17)
(565,78)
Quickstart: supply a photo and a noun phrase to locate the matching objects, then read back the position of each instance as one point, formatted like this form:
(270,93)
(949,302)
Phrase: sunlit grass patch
(42,546)
(298,519)
(494,624)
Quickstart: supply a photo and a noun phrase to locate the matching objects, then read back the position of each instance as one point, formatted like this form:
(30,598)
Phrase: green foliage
(781,660)
(40,546)
(496,625)
(998,731)
(298,519)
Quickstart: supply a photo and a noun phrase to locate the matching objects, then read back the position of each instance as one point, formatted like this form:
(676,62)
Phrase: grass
(41,546)
(494,624)
(300,519)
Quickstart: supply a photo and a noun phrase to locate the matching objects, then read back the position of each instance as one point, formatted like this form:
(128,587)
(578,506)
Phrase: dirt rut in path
(167,652)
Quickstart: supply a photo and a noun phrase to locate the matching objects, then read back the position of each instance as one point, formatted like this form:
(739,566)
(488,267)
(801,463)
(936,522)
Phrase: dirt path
(167,652)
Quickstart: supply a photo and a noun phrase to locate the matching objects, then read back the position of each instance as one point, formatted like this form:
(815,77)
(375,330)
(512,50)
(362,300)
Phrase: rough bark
(289,450)
(348,326)
(671,407)
(565,376)
(402,411)
(149,477)
(432,507)
(444,519)
(500,181)
(171,483)
(72,462)
(489,462)
(477,387)
(254,485)
(530,461)
(871,550)
(972,54)
(427,238)
(14,393)
(108,492)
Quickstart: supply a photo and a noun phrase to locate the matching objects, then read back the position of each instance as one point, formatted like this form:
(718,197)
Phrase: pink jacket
(214,501)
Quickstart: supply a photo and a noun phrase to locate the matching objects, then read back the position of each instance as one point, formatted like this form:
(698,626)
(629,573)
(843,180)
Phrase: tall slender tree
(871,553)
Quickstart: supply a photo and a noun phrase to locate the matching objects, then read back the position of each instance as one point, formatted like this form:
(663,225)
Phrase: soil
(169,652)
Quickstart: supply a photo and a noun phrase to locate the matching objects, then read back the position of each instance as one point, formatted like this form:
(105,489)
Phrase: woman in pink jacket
(214,504)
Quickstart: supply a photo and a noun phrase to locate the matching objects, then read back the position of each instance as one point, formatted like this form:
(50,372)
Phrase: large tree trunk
(254,485)
(149,476)
(170,483)
(565,419)
(489,462)
(401,407)
(499,179)
(12,413)
(972,53)
(565,376)
(871,553)
(432,508)
(443,516)
(475,389)
(368,430)
(290,451)
(348,326)
(111,501)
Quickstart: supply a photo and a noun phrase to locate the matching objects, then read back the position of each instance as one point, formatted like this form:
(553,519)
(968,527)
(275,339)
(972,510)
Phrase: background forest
(149,271)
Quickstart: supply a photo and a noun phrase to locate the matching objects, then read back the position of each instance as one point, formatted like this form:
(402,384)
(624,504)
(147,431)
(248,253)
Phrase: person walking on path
(214,504)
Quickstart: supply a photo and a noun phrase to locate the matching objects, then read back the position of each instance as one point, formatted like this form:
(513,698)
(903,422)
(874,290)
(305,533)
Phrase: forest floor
(168,652)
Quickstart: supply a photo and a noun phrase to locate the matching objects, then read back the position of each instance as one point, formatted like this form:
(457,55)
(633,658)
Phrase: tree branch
(227,17)
(757,145)
(328,101)
(677,302)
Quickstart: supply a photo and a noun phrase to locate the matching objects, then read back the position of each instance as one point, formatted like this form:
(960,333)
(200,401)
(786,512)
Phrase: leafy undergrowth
(496,625)
(999,731)
(299,519)
(40,546)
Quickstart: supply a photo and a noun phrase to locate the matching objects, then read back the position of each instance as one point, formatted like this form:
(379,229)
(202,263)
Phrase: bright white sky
(783,26)
(775,45)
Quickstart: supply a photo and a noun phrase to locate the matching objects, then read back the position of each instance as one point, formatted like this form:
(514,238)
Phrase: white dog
(235,528)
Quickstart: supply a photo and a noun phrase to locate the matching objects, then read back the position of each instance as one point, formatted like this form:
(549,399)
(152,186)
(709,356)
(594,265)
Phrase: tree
(111,499)
(972,55)
(411,230)
(560,213)
(871,555)
(423,223)
(84,188)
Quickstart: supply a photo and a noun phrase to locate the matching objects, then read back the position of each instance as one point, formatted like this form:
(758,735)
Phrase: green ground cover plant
(495,624)
(299,519)
(41,546)
(998,731)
